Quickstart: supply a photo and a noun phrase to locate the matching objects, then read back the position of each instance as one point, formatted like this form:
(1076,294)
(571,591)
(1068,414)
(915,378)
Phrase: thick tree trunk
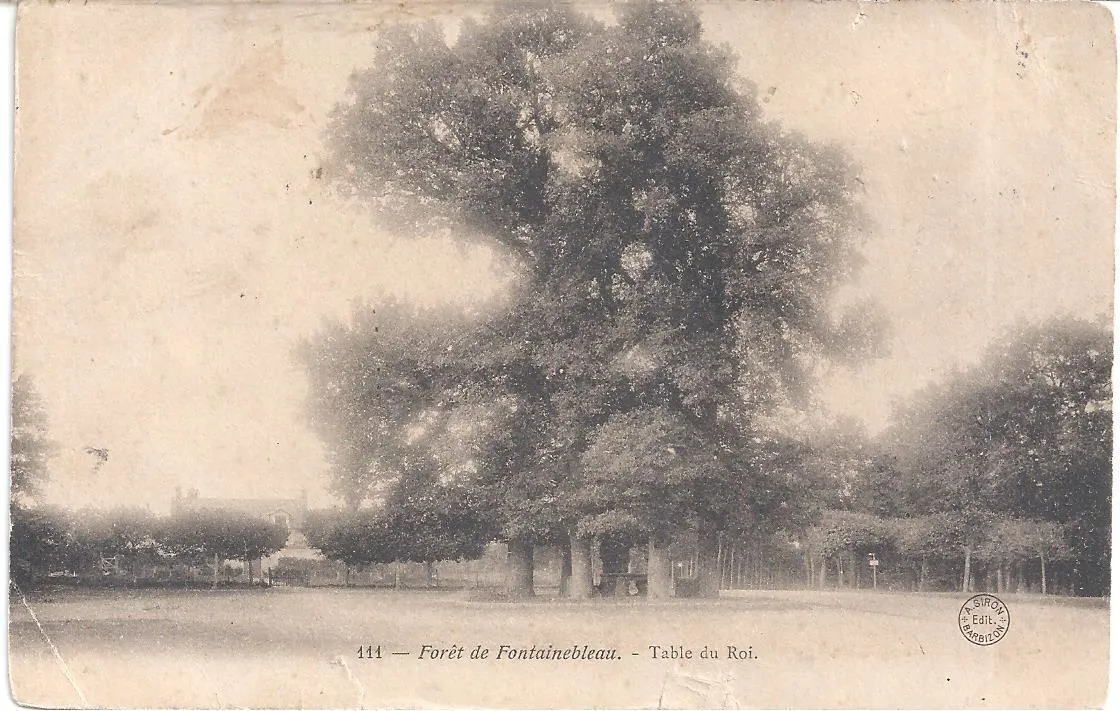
(215,585)
(520,569)
(565,570)
(808,570)
(839,571)
(923,574)
(1043,559)
(707,560)
(823,570)
(580,585)
(966,583)
(430,572)
(659,571)
(999,578)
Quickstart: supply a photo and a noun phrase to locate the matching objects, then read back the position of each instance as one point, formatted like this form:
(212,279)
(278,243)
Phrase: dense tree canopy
(199,535)
(40,540)
(38,537)
(671,260)
(98,542)
(125,531)
(1025,434)
(422,527)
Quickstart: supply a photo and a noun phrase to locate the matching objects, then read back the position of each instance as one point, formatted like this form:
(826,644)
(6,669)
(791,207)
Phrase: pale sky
(172,243)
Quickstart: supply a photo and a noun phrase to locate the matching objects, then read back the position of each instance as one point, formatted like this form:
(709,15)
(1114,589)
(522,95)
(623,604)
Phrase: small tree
(128,532)
(38,537)
(639,482)
(1049,543)
(970,528)
(847,532)
(31,447)
(352,537)
(40,540)
(1007,542)
(924,538)
(257,538)
(214,535)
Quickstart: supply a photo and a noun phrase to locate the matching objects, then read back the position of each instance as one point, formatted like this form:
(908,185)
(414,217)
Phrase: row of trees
(49,539)
(843,540)
(1023,435)
(1005,466)
(846,495)
(45,539)
(439,525)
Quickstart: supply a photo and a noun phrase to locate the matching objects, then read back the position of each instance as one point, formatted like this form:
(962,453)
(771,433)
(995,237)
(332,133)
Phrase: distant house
(290,513)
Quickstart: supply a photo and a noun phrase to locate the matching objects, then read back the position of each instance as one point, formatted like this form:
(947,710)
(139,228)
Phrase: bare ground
(298,648)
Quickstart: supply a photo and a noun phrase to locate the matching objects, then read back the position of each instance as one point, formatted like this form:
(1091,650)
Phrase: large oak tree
(672,257)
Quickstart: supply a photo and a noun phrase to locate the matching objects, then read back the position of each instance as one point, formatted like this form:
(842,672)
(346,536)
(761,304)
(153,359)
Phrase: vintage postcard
(521,354)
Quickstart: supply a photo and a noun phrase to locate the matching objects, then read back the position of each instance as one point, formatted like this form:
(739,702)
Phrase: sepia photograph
(537,354)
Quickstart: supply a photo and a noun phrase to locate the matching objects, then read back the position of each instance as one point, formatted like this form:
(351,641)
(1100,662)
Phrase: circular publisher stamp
(984,619)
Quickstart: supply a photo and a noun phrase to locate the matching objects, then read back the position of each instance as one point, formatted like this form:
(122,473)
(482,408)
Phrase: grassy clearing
(297,647)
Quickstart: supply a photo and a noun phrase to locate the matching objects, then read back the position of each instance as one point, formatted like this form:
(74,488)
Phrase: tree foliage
(387,405)
(200,535)
(50,539)
(39,541)
(426,527)
(1025,435)
(1017,540)
(850,532)
(671,259)
(354,537)
(124,531)
(932,536)
(32,447)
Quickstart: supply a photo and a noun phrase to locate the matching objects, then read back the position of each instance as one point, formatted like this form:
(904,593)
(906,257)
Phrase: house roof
(296,509)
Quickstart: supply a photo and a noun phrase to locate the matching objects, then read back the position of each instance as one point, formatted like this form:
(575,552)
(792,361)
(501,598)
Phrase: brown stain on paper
(253,93)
